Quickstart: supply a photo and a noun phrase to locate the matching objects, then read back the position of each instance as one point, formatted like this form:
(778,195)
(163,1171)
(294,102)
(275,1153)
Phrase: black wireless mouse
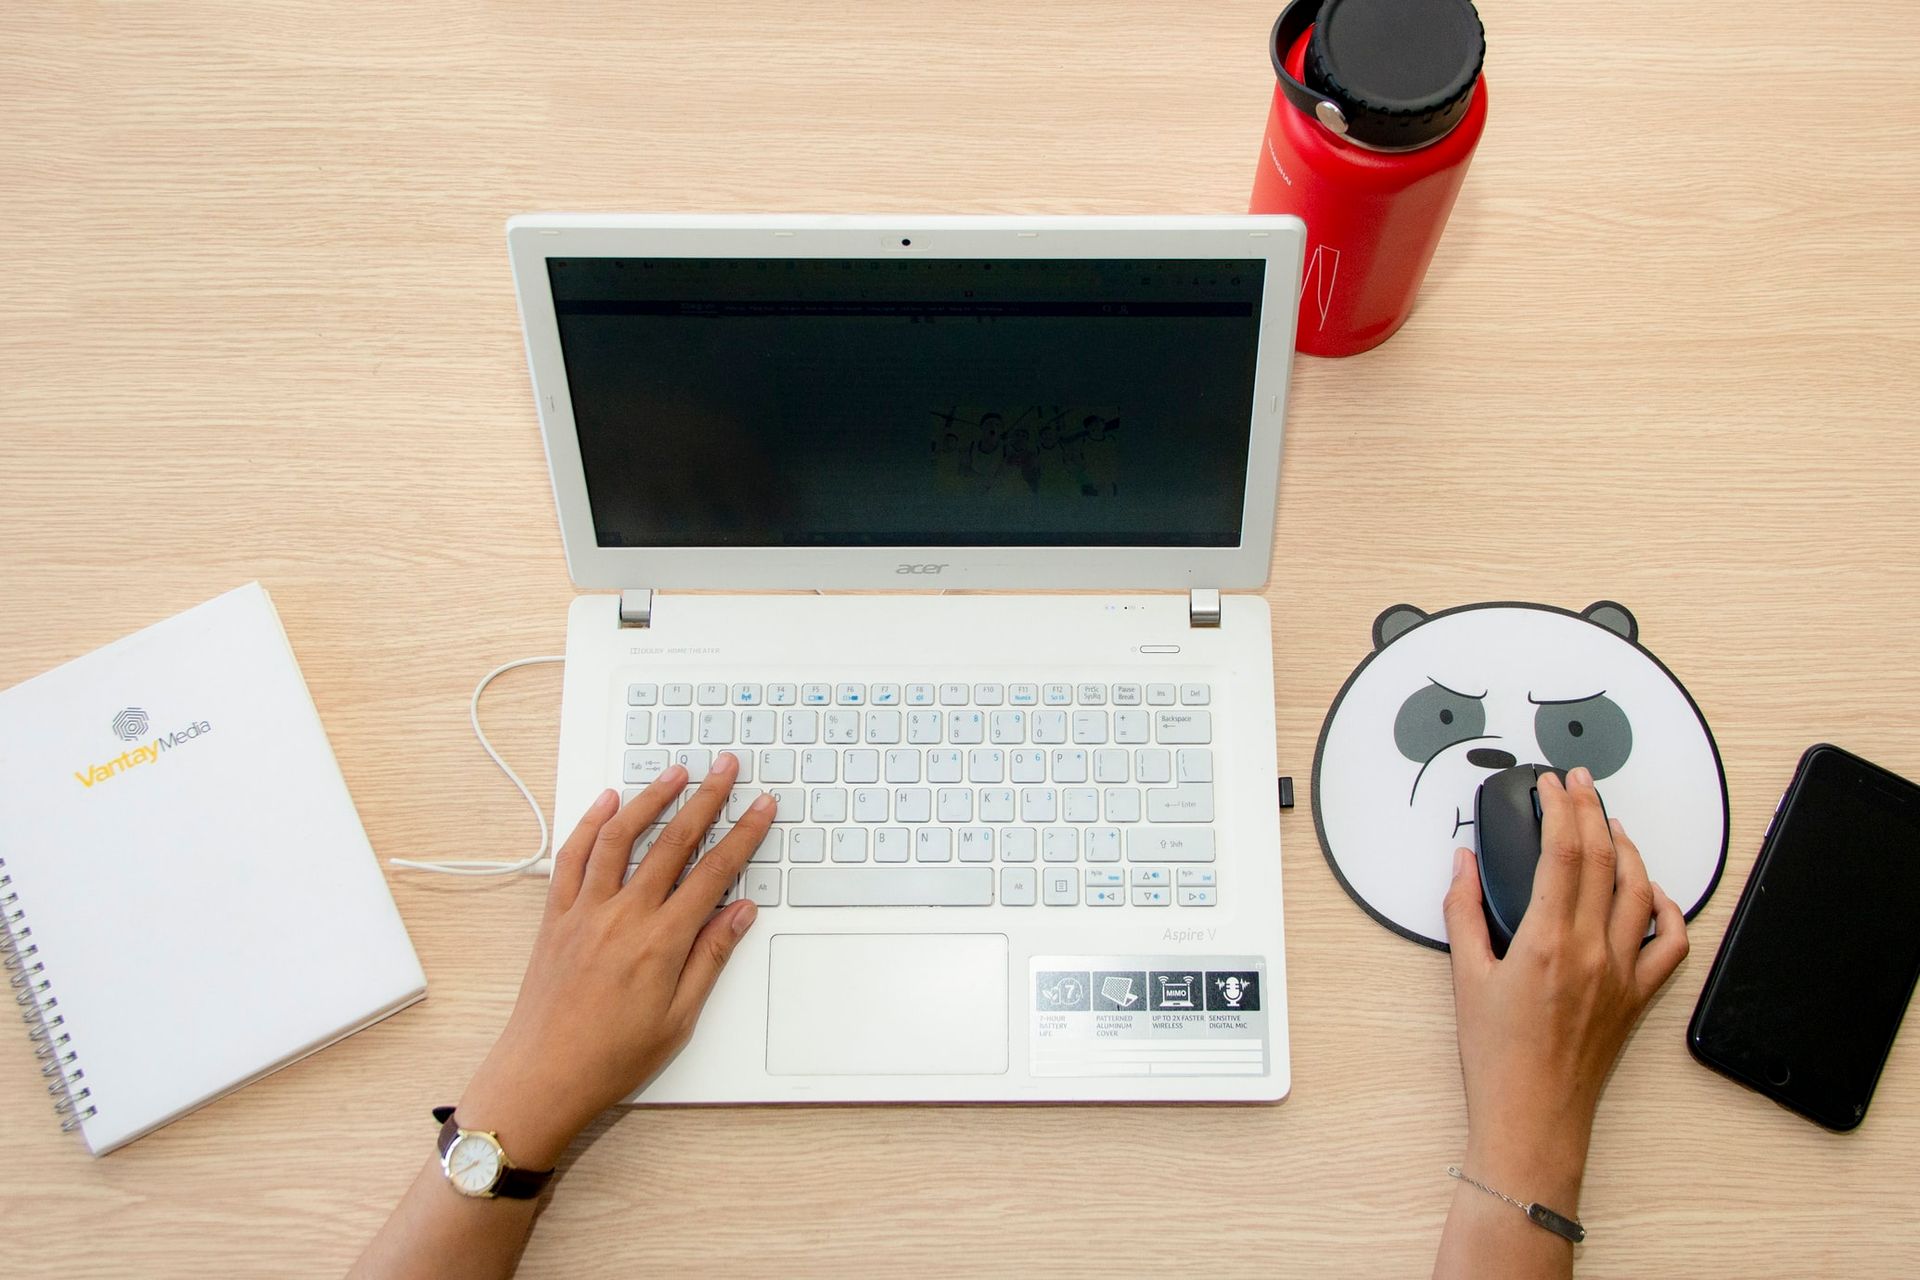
(1506,820)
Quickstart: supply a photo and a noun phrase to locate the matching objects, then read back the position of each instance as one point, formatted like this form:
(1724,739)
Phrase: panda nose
(1490,758)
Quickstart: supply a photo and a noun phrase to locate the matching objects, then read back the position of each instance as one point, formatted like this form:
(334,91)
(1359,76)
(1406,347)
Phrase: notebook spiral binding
(32,992)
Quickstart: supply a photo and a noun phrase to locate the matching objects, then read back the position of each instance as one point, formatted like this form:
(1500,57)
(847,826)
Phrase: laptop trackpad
(878,1004)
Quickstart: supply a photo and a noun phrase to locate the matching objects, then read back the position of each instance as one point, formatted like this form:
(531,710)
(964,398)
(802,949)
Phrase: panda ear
(1394,623)
(1614,617)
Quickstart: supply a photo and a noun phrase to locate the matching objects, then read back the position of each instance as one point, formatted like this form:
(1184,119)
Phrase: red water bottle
(1378,108)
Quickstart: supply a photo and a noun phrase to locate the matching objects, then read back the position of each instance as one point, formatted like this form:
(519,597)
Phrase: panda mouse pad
(1446,700)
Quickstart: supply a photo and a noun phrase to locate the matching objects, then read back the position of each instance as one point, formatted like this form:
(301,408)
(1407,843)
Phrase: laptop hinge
(636,607)
(1203,607)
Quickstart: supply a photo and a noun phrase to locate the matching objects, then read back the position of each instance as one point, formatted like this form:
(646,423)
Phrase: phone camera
(905,243)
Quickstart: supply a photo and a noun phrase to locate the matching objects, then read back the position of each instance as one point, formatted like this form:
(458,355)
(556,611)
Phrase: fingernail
(1580,777)
(1613,825)
(1459,861)
(743,919)
(726,760)
(609,799)
(762,803)
(673,773)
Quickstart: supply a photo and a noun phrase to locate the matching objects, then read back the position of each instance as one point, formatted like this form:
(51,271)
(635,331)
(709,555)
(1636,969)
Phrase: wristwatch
(476,1164)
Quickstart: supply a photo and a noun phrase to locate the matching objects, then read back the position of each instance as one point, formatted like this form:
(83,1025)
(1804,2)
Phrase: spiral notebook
(189,900)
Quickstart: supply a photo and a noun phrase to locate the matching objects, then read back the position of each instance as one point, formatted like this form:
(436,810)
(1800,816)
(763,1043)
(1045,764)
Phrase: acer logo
(920,568)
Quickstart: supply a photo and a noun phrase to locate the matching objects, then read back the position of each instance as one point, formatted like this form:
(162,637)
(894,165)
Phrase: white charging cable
(479,867)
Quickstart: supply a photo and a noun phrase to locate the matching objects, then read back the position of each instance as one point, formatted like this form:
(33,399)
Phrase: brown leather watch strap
(449,1129)
(515,1183)
(521,1184)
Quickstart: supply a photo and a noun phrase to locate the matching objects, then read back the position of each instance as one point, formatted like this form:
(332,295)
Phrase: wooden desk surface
(258,323)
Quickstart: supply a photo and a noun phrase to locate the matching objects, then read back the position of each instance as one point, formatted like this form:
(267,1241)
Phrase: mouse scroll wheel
(1535,793)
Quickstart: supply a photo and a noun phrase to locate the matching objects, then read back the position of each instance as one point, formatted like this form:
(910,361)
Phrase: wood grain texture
(258,323)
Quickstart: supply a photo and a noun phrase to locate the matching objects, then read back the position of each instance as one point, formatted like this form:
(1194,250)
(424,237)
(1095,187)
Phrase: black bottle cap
(1393,75)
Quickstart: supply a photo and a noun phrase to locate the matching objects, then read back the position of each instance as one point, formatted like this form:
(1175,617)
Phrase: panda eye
(1434,718)
(1593,732)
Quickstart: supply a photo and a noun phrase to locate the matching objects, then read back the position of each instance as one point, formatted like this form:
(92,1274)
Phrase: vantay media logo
(128,726)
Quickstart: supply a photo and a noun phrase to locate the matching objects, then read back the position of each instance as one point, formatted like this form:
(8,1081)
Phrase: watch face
(473,1164)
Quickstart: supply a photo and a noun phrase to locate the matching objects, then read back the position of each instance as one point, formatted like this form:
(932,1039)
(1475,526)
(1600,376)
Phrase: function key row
(918,695)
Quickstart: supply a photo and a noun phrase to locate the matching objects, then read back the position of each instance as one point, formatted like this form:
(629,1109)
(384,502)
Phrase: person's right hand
(620,970)
(1540,1029)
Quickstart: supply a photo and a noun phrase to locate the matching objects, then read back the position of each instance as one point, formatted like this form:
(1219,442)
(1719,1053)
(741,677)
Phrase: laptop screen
(911,402)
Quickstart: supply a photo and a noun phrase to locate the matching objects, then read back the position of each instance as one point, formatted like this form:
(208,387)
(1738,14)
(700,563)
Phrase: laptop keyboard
(950,794)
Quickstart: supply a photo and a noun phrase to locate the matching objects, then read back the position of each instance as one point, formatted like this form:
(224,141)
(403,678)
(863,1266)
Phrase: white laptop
(1027,845)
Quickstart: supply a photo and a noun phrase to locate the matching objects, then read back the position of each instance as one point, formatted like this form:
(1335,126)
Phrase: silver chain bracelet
(1538,1214)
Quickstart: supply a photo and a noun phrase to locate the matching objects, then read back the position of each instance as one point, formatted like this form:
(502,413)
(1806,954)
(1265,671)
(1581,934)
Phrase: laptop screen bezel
(1278,241)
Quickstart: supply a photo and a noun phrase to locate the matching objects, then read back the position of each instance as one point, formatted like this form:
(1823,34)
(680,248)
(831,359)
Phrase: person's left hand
(619,972)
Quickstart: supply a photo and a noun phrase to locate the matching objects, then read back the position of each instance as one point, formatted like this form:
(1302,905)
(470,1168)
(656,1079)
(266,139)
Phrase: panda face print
(1434,718)
(1593,732)
(1446,701)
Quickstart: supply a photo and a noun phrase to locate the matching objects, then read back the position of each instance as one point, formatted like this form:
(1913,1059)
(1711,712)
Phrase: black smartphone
(1815,972)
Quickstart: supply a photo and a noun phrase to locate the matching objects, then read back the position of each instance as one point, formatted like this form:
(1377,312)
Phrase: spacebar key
(890,887)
